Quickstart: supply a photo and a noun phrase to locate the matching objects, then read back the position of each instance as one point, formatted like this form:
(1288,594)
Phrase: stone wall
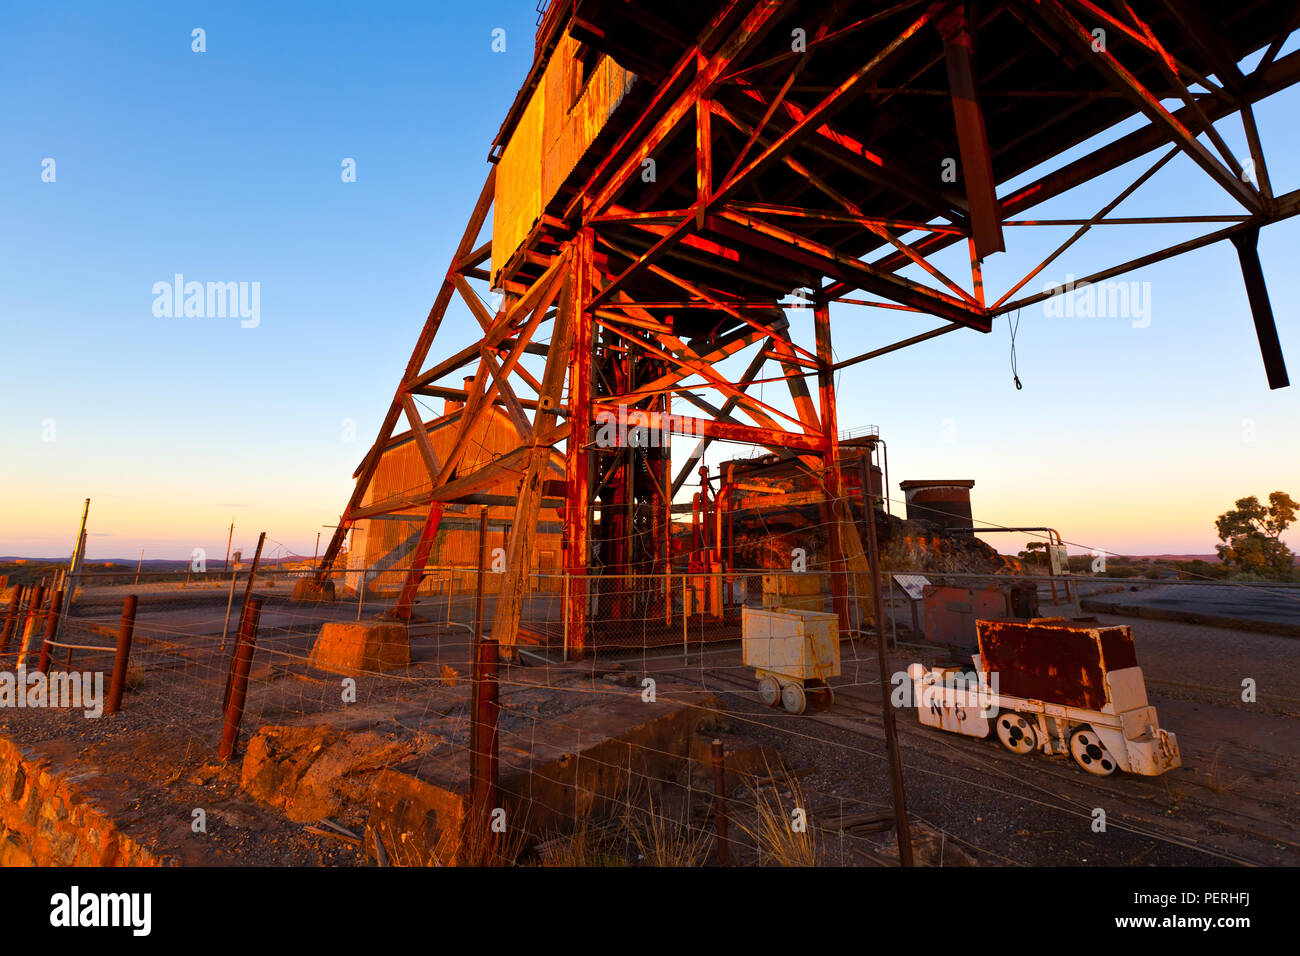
(45,819)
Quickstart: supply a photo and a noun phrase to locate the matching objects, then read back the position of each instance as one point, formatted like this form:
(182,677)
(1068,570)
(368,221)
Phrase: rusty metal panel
(582,122)
(806,591)
(563,117)
(1054,663)
(385,543)
(518,202)
(1117,651)
(951,612)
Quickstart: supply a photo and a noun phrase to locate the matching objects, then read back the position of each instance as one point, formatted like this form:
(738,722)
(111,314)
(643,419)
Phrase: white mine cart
(794,652)
(1053,686)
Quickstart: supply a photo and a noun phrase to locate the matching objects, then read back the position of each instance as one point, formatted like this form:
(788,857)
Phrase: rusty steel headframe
(755,156)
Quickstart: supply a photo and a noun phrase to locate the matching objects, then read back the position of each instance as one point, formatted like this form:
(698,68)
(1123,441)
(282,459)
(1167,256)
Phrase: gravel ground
(1233,799)
(1233,796)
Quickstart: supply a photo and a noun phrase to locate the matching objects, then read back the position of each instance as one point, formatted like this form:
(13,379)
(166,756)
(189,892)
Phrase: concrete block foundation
(306,589)
(344,647)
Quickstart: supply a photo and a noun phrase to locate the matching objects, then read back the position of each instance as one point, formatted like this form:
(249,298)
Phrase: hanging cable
(1013,329)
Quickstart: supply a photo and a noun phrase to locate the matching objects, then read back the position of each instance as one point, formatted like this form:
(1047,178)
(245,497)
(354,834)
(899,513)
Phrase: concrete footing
(344,647)
(306,589)
(592,747)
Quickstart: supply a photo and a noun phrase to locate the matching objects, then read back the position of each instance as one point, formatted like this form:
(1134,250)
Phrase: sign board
(1057,560)
(913,584)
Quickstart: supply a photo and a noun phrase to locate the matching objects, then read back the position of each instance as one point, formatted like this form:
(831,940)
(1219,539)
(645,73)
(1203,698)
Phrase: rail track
(1237,830)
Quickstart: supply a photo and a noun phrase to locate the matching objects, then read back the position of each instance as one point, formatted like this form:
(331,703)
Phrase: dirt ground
(1232,802)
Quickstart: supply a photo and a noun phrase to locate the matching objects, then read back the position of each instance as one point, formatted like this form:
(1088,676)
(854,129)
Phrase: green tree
(1252,535)
(1035,553)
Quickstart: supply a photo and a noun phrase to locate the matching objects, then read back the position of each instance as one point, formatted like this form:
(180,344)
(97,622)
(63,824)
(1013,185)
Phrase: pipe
(885,459)
(729,491)
(706,515)
(695,527)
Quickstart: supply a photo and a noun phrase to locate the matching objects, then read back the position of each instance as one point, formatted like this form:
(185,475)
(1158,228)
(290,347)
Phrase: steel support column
(419,558)
(831,478)
(577,455)
(1261,309)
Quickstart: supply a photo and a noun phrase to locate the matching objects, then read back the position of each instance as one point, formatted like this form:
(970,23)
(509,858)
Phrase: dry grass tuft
(587,844)
(662,840)
(771,824)
(1214,776)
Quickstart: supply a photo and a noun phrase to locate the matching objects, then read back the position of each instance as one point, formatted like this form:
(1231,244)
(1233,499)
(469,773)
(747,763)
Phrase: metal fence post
(123,655)
(720,802)
(230,602)
(484,748)
(686,652)
(11,619)
(34,608)
(234,656)
(252,571)
(239,686)
(476,688)
(901,827)
(51,628)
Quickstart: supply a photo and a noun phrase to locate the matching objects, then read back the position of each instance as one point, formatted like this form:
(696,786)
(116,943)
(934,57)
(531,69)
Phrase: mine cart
(1055,686)
(793,652)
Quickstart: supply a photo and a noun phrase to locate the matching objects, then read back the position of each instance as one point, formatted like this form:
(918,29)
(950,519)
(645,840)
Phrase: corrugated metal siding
(548,143)
(387,543)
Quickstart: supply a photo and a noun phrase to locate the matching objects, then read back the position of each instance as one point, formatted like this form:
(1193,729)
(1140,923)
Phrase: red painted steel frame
(768,186)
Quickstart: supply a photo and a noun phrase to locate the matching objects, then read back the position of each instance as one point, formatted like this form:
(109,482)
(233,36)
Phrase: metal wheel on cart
(820,696)
(769,691)
(1090,753)
(1017,734)
(793,699)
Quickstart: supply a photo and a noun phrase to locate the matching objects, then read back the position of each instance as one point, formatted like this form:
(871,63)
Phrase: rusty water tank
(945,503)
(857,466)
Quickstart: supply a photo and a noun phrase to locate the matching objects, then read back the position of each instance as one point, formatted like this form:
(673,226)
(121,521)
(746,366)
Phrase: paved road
(1258,605)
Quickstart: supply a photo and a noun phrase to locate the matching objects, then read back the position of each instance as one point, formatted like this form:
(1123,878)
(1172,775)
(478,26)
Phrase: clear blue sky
(225,166)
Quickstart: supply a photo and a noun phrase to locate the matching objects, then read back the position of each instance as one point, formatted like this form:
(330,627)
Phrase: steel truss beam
(649,291)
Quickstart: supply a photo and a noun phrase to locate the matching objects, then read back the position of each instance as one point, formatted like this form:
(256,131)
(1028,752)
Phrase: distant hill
(1208,558)
(155,563)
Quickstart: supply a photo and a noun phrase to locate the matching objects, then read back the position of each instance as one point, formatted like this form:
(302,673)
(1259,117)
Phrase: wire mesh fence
(601,742)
